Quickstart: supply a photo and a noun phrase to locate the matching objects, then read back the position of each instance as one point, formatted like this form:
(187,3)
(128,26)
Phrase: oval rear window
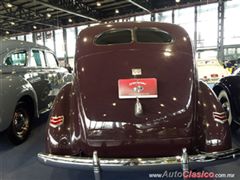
(114,37)
(152,36)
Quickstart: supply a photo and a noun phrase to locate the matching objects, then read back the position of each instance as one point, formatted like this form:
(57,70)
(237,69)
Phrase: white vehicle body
(210,71)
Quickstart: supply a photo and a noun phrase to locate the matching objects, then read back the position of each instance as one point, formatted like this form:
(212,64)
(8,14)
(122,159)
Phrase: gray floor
(20,162)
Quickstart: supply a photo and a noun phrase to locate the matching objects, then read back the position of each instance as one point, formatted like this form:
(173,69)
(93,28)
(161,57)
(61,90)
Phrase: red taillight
(56,121)
(214,75)
(220,117)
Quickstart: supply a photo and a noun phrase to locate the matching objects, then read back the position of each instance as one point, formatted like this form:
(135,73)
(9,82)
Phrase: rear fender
(65,138)
(212,135)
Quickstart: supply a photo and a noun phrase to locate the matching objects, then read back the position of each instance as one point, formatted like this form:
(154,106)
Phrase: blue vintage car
(227,90)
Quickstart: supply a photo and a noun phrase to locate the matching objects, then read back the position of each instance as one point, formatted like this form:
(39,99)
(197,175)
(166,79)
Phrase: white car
(211,71)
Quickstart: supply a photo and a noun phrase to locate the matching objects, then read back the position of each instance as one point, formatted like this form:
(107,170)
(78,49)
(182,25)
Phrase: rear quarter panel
(66,139)
(209,130)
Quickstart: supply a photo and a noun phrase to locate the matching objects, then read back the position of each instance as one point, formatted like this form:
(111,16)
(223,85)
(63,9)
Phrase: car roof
(7,45)
(164,26)
(175,30)
(86,37)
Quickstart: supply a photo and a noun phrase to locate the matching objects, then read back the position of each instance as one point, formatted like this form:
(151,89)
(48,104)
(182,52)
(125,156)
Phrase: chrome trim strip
(87,162)
(220,121)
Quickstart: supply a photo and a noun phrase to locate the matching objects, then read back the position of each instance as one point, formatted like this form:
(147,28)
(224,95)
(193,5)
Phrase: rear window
(51,60)
(153,36)
(114,37)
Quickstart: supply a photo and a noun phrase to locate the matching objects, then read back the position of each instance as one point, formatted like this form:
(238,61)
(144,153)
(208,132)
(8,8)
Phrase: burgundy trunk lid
(98,81)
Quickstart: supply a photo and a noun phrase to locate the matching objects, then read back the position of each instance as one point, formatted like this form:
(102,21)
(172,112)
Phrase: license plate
(137,88)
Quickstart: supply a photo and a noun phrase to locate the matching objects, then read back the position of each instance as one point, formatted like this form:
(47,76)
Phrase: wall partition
(71,41)
(146,17)
(60,50)
(20,38)
(39,38)
(165,16)
(185,18)
(231,24)
(49,40)
(207,24)
(71,44)
(29,37)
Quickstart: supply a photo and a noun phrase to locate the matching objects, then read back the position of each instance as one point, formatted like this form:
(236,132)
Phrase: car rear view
(135,101)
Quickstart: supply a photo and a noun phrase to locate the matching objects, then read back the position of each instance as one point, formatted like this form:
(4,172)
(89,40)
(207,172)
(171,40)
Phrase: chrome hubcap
(21,123)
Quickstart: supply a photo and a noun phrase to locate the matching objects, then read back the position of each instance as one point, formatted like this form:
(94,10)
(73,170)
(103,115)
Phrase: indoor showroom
(119,89)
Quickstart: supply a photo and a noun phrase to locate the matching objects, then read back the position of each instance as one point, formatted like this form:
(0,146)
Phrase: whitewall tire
(224,100)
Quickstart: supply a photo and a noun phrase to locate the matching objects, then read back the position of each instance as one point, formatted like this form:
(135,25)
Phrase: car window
(51,60)
(38,57)
(152,36)
(16,59)
(114,37)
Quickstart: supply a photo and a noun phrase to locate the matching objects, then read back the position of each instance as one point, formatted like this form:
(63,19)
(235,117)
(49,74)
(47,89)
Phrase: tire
(224,100)
(19,129)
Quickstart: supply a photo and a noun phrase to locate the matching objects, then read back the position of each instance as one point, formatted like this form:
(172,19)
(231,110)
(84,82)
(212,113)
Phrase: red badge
(137,88)
(56,121)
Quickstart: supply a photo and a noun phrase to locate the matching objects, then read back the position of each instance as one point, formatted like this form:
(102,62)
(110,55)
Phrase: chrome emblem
(138,89)
(136,72)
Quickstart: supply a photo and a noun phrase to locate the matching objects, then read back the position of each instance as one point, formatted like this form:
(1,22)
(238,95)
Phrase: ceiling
(24,16)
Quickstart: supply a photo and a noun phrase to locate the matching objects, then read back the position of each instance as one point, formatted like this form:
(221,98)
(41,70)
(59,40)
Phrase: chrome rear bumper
(100,164)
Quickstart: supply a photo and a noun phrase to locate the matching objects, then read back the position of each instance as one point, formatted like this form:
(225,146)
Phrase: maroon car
(136,102)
